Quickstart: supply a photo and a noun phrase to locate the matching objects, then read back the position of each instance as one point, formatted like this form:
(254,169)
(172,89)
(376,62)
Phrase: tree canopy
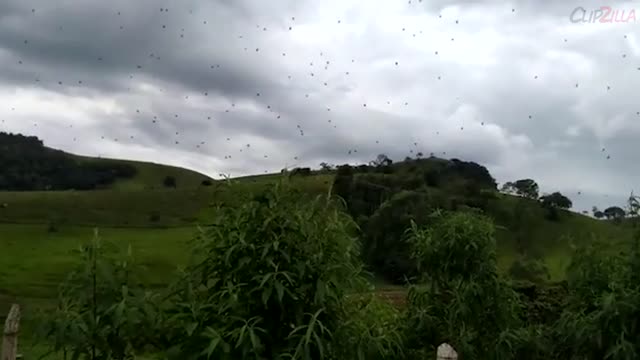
(524,187)
(614,213)
(556,200)
(28,165)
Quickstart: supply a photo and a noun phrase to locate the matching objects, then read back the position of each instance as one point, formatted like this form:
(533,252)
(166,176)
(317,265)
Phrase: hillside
(384,197)
(28,165)
(38,229)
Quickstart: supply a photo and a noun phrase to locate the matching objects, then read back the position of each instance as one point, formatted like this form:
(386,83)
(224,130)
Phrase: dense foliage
(524,187)
(384,196)
(460,298)
(280,277)
(600,320)
(553,202)
(170,182)
(270,281)
(101,308)
(28,165)
(274,278)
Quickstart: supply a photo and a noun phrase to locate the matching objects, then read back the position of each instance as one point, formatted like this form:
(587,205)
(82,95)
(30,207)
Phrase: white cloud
(502,92)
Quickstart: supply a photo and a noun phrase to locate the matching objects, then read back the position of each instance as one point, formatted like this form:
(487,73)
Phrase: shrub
(154,217)
(432,177)
(269,280)
(101,309)
(52,226)
(600,317)
(461,299)
(385,249)
(169,181)
(533,270)
(301,172)
(372,330)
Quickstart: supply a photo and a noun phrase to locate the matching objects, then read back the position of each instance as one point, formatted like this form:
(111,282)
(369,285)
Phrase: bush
(206,183)
(101,309)
(600,317)
(154,217)
(461,299)
(55,222)
(388,254)
(533,270)
(52,226)
(372,330)
(170,181)
(301,172)
(432,177)
(269,280)
(343,182)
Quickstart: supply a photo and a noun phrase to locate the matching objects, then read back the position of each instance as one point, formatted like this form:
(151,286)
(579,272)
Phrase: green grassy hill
(550,240)
(139,201)
(39,229)
(149,176)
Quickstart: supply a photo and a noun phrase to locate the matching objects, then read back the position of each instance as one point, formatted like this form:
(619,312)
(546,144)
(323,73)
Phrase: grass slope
(151,175)
(551,241)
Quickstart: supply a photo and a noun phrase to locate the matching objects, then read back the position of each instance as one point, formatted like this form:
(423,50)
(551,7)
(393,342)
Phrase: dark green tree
(614,213)
(554,202)
(386,250)
(527,188)
(169,181)
(326,166)
(381,160)
(28,165)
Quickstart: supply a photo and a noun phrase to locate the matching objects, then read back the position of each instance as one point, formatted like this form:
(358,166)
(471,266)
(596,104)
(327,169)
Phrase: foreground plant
(601,317)
(460,298)
(101,309)
(269,281)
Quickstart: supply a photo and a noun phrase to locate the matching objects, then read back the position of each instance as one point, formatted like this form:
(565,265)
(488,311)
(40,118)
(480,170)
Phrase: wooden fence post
(10,335)
(446,352)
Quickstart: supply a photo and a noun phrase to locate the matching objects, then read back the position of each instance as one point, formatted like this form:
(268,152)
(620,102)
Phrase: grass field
(34,261)
(39,229)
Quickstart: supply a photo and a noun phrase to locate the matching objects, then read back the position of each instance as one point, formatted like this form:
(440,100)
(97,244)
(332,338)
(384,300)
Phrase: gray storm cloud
(517,87)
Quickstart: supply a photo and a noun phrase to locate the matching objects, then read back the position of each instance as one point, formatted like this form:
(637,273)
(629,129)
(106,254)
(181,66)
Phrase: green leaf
(212,347)
(255,341)
(265,279)
(191,328)
(119,311)
(266,294)
(279,290)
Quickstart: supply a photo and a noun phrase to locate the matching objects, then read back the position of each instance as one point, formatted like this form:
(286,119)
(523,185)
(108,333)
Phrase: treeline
(385,196)
(281,277)
(27,165)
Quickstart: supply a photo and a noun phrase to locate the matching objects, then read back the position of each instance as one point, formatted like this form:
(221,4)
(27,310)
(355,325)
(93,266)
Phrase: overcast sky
(247,86)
